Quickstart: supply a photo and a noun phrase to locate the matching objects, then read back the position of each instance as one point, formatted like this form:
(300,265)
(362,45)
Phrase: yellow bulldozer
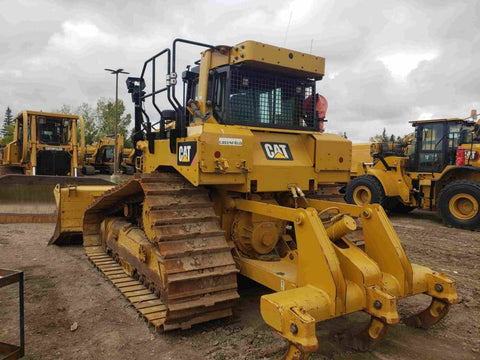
(44,144)
(225,190)
(438,168)
(45,151)
(99,157)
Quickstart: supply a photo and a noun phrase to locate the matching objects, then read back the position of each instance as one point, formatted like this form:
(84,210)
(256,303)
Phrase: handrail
(171,54)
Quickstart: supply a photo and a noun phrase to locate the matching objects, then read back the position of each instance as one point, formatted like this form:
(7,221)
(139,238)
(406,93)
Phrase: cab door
(430,148)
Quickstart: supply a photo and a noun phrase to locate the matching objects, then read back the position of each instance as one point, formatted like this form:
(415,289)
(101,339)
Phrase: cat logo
(276,151)
(186,153)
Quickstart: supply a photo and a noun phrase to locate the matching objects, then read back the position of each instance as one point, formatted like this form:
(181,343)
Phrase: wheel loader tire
(364,190)
(459,204)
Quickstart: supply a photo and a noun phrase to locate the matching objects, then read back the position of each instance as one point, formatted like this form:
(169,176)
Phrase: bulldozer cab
(53,132)
(435,143)
(243,107)
(242,95)
(241,85)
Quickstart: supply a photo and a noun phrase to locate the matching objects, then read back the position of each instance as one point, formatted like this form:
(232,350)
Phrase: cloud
(80,36)
(387,62)
(402,63)
(9,73)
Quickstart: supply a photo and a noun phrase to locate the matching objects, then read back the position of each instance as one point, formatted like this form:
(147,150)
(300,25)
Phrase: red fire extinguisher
(460,158)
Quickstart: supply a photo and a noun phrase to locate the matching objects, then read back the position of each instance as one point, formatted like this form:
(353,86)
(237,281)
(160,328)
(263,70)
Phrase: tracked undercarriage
(158,240)
(177,252)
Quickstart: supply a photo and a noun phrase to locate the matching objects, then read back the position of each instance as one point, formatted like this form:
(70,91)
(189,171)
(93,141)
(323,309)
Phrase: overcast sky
(387,62)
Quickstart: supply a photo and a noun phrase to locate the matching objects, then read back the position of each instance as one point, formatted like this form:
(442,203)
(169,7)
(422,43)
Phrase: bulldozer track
(197,279)
(147,304)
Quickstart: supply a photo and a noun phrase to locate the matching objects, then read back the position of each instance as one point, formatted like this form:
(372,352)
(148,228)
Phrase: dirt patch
(61,288)
(3,241)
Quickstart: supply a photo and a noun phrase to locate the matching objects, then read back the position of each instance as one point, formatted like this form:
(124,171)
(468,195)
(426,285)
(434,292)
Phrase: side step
(147,304)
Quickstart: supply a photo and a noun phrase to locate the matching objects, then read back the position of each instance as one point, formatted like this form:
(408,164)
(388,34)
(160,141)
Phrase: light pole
(115,149)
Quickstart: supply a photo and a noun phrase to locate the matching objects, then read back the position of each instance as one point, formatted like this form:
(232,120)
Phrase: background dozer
(45,151)
(99,157)
(225,189)
(438,168)
(45,144)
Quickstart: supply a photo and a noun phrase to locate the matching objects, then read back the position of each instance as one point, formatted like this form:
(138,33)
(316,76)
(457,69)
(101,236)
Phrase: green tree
(128,141)
(65,109)
(376,138)
(88,113)
(8,127)
(8,134)
(91,129)
(383,137)
(106,118)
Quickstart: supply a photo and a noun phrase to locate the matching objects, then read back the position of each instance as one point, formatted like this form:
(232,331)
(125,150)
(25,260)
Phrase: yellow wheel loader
(45,151)
(99,157)
(225,190)
(438,168)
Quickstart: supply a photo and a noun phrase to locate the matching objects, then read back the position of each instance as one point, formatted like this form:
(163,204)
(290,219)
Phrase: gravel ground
(63,288)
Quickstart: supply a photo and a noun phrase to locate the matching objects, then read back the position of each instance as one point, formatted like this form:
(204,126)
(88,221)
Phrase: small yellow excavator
(228,185)
(99,157)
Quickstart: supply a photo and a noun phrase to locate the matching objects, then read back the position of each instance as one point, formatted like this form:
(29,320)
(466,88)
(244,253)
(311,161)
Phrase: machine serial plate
(230,141)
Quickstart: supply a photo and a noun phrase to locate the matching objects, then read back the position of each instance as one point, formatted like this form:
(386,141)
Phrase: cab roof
(414,122)
(273,57)
(47,114)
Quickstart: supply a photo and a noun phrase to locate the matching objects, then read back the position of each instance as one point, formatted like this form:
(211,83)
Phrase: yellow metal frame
(71,202)
(322,280)
(289,61)
(317,158)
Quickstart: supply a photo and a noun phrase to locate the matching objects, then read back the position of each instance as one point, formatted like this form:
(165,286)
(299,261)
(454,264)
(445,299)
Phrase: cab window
(270,99)
(431,136)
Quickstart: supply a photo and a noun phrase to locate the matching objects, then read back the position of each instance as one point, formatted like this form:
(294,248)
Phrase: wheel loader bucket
(71,202)
(26,198)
